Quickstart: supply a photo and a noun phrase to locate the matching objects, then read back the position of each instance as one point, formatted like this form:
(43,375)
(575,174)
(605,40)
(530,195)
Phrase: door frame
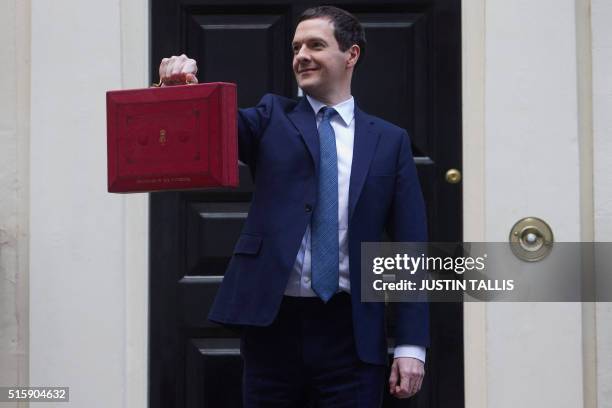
(473,17)
(135,44)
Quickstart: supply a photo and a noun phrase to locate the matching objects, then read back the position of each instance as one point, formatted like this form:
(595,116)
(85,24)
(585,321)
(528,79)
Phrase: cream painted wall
(14,177)
(528,146)
(534,350)
(602,180)
(88,309)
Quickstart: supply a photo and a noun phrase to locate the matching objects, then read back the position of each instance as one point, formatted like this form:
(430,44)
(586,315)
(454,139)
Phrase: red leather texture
(172,138)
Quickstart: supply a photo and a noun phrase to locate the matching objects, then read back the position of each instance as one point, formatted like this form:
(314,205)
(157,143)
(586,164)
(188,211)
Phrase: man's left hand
(406,377)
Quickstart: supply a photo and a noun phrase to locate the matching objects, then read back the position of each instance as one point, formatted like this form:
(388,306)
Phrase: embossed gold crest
(162,137)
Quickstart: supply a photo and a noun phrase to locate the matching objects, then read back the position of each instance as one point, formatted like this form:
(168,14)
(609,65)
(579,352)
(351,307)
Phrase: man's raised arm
(181,70)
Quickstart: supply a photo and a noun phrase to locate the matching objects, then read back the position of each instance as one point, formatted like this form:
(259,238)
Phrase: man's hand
(179,70)
(406,377)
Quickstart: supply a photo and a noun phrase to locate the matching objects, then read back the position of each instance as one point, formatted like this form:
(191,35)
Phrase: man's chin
(308,88)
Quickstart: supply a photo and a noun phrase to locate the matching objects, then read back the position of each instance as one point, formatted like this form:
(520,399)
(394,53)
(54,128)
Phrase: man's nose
(302,54)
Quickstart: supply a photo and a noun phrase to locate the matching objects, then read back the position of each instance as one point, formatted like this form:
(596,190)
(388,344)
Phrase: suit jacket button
(308,208)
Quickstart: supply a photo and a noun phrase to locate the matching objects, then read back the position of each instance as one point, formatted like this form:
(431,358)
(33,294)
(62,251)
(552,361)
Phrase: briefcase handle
(159,84)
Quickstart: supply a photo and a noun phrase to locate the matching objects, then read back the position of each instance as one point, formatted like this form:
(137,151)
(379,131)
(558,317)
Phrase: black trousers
(307,358)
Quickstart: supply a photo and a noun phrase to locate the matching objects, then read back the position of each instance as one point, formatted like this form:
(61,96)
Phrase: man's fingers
(405,385)
(191,79)
(393,378)
(419,384)
(167,72)
(416,380)
(406,377)
(162,67)
(190,66)
(414,386)
(178,69)
(411,372)
(399,381)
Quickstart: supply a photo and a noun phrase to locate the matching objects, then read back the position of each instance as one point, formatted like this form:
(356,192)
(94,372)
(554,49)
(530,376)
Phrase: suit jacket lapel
(303,117)
(364,145)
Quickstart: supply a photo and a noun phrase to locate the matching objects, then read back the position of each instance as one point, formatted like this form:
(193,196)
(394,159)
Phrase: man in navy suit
(328,176)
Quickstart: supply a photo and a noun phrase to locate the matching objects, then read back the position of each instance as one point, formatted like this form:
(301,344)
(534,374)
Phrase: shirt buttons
(308,208)
(306,280)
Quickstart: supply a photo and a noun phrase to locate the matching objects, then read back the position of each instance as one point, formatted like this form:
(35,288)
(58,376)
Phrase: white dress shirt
(299,281)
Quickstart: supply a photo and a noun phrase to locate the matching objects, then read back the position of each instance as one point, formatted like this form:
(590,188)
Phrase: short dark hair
(347,29)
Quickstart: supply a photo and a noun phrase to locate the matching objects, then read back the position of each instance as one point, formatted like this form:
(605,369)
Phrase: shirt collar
(346,109)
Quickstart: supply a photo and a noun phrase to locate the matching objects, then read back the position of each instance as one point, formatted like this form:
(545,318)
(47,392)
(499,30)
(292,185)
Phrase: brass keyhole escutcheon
(531,239)
(453,176)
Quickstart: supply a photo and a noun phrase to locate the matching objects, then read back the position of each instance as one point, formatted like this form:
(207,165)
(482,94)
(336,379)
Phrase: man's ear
(354,52)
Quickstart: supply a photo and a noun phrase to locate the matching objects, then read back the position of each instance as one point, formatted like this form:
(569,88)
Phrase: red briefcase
(172,138)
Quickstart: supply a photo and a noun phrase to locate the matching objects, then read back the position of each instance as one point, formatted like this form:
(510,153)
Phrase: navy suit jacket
(278,140)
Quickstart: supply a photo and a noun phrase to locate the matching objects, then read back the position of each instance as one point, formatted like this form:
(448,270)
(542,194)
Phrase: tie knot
(328,112)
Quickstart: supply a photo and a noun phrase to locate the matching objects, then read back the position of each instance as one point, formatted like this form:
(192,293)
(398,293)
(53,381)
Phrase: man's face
(318,64)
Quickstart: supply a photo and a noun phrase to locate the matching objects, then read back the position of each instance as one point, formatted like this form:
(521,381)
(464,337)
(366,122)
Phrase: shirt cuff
(409,350)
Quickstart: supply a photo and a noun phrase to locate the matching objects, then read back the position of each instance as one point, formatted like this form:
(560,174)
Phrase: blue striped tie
(324,241)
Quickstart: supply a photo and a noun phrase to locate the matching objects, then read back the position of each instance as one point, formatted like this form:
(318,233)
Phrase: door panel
(396,57)
(238,48)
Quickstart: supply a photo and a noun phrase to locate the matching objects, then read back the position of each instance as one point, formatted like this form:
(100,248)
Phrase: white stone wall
(602,180)
(14,190)
(535,136)
(532,169)
(88,247)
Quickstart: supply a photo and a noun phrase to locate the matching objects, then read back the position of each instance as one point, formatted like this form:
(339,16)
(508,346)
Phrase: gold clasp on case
(162,137)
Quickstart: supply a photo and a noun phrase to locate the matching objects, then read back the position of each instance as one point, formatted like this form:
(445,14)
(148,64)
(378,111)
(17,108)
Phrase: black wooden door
(411,76)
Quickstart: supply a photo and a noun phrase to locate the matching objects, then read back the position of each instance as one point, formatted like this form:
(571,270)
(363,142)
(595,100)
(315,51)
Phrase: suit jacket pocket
(248,244)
